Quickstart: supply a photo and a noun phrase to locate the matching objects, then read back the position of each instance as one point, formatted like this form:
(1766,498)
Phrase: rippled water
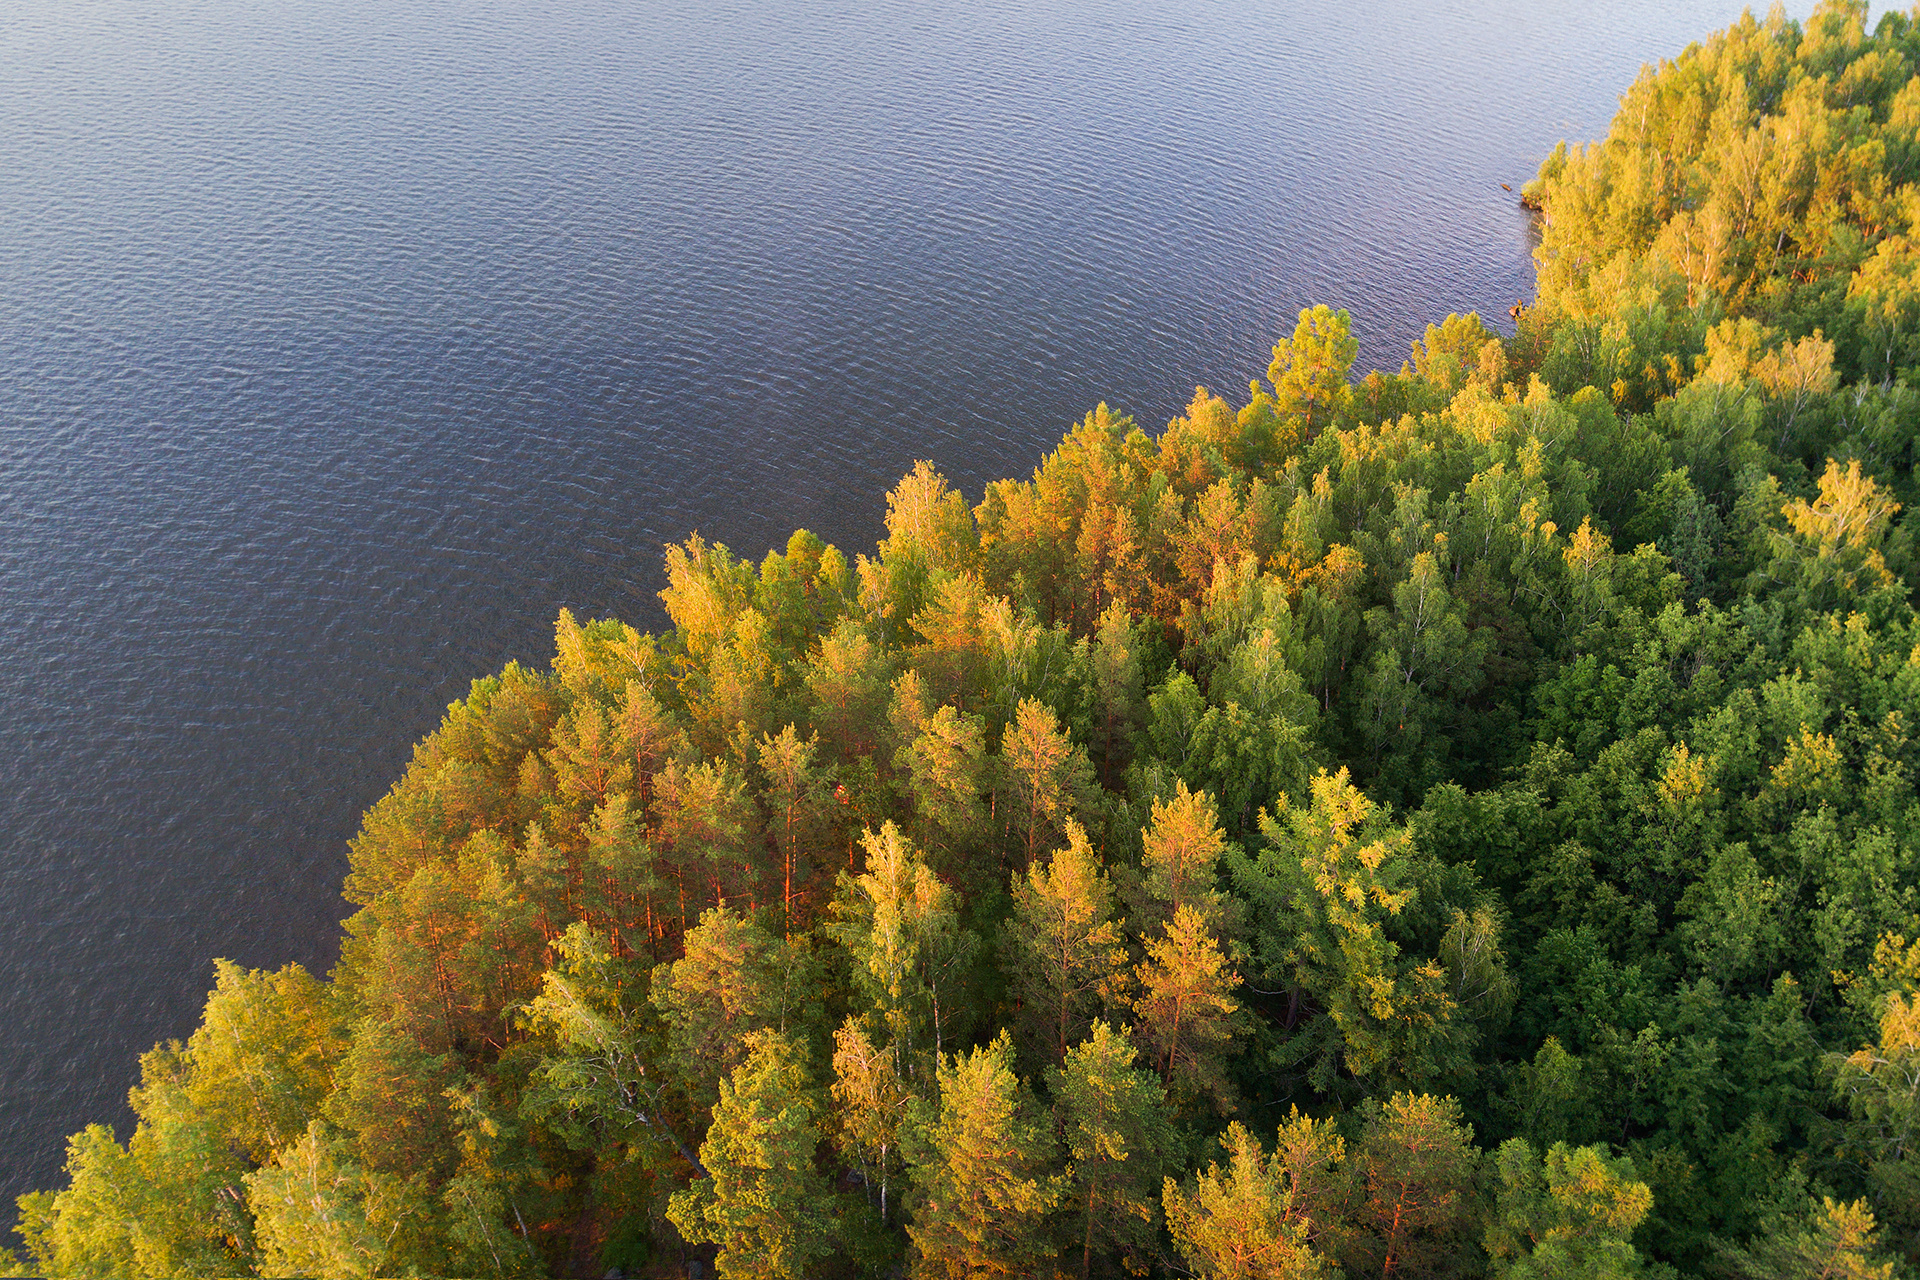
(341,345)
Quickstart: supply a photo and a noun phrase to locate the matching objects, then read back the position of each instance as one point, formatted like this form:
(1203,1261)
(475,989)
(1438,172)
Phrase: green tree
(594,1075)
(1570,1214)
(983,1173)
(762,1202)
(1417,1166)
(1120,1138)
(733,978)
(1426,662)
(391,1100)
(1324,888)
(622,852)
(393,1141)
(498,1168)
(900,924)
(797,797)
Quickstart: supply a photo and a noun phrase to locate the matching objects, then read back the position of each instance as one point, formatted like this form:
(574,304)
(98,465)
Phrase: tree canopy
(1504,769)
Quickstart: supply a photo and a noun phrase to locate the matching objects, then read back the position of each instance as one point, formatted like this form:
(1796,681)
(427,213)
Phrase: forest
(1448,823)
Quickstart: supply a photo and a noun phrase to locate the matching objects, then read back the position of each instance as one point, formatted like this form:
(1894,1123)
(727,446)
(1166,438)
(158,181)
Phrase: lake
(342,345)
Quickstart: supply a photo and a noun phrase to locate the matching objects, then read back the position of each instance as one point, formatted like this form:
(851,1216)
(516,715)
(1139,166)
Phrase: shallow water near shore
(340,350)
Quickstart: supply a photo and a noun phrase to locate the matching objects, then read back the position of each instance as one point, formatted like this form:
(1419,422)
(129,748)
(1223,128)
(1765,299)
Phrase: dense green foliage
(1460,822)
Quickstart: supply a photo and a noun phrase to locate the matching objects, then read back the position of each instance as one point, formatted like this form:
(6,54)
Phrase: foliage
(762,1200)
(1518,749)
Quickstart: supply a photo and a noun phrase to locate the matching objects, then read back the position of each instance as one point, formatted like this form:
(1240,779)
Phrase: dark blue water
(342,345)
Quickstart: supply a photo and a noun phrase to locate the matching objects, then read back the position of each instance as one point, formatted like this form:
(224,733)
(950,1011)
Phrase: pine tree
(1571,1214)
(1063,945)
(983,1174)
(1417,1165)
(762,1202)
(1186,1008)
(1120,1137)
(1044,770)
(724,986)
(1118,694)
(1830,1241)
(708,822)
(796,798)
(849,682)
(621,854)
(591,758)
(1183,845)
(1240,1222)
(950,772)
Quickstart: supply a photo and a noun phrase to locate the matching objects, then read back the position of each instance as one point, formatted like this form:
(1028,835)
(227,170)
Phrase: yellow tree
(1064,946)
(1243,1222)
(984,1174)
(1880,1083)
(1309,375)
(1571,1213)
(1834,544)
(1043,770)
(1186,1008)
(1182,847)
(870,1101)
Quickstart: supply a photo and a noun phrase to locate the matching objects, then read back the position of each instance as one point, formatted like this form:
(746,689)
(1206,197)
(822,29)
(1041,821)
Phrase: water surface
(342,345)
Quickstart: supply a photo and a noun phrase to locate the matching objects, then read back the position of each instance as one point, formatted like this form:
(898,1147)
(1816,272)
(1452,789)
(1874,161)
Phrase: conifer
(983,1173)
(1238,1222)
(1064,946)
(1120,1139)
(762,1202)
(1186,1008)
